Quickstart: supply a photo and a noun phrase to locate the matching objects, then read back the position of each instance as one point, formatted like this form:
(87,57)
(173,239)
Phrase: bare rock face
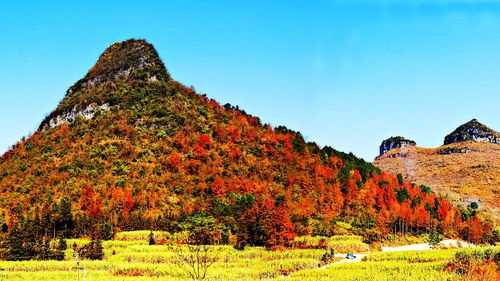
(395,142)
(70,116)
(473,131)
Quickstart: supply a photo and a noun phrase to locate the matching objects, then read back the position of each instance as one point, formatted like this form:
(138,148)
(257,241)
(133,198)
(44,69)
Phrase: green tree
(473,205)
(434,239)
(65,222)
(400,179)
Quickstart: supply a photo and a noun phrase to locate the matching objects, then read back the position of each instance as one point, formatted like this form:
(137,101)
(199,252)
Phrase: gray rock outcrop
(395,142)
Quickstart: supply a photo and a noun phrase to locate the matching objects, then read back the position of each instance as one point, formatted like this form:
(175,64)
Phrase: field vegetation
(131,257)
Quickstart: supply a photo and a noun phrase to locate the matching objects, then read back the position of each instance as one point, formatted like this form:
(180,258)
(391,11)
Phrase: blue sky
(345,73)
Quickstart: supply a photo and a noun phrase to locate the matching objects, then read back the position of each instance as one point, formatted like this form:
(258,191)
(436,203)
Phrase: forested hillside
(129,148)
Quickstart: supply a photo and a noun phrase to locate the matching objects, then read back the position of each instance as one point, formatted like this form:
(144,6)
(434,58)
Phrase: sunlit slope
(465,171)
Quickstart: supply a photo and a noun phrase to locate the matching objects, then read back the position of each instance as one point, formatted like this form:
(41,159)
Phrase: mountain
(130,148)
(130,62)
(473,131)
(465,169)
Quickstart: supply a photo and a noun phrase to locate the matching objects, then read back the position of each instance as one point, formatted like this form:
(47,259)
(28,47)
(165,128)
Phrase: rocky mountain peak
(133,59)
(473,131)
(395,142)
(106,84)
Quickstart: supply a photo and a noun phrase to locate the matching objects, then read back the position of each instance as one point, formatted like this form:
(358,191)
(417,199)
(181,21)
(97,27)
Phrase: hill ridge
(154,154)
(465,171)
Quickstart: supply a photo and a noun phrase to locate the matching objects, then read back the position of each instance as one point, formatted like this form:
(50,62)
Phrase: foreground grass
(384,270)
(408,265)
(130,258)
(136,260)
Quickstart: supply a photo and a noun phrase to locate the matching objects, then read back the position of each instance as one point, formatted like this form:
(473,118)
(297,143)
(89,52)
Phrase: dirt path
(445,244)
(412,247)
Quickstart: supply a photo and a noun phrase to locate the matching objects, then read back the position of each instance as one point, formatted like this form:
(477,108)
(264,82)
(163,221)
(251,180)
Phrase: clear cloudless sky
(345,73)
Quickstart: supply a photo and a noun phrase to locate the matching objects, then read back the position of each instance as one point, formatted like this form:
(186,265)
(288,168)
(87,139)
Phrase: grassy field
(129,257)
(384,270)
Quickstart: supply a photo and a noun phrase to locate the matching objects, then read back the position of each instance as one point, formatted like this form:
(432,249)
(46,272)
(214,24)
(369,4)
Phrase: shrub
(61,244)
(476,265)
(474,205)
(327,257)
(92,251)
(151,241)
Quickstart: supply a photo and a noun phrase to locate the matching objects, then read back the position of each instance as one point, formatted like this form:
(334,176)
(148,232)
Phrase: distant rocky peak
(473,131)
(395,142)
(133,59)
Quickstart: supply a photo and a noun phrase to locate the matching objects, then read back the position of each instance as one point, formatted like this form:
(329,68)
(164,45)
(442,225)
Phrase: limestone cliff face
(70,116)
(395,142)
(473,131)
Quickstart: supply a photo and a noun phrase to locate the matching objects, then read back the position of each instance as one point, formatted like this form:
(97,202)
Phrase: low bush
(92,251)
(476,265)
